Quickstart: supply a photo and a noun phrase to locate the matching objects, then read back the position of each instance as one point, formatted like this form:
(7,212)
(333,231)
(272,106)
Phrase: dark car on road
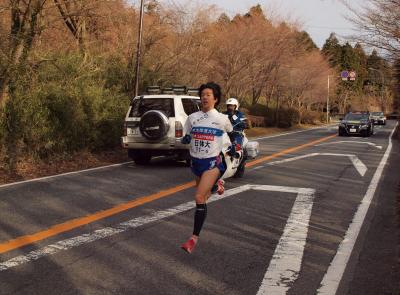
(356,124)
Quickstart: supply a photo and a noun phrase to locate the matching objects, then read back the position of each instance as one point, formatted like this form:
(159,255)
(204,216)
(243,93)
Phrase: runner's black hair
(216,89)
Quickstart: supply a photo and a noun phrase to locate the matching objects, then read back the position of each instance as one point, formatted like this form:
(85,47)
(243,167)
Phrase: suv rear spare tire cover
(154,125)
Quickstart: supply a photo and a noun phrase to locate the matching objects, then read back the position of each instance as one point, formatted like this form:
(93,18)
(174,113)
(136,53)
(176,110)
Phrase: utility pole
(327,102)
(139,48)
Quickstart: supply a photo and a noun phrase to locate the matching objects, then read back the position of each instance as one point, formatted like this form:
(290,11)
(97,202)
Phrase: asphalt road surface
(308,217)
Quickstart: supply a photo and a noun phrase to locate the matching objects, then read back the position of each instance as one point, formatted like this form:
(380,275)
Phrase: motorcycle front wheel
(242,167)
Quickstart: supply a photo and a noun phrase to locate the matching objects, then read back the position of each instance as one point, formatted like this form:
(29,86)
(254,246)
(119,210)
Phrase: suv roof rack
(153,89)
(192,91)
(175,89)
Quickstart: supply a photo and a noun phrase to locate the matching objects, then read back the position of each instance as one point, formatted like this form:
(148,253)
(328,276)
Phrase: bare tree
(23,20)
(378,21)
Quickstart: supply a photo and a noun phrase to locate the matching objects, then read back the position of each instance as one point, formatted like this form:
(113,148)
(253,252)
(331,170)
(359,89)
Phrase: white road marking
(283,269)
(285,265)
(358,164)
(109,231)
(258,167)
(379,147)
(290,133)
(334,274)
(63,174)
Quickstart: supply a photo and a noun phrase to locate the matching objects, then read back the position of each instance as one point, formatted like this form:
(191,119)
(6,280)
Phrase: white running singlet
(207,130)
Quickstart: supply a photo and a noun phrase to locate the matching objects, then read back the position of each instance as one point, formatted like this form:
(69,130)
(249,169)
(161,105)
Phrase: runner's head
(210,94)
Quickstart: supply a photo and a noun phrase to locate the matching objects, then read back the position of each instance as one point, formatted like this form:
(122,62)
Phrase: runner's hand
(186,139)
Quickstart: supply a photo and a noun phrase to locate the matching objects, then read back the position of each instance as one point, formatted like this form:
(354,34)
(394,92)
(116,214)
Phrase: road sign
(344,75)
(352,76)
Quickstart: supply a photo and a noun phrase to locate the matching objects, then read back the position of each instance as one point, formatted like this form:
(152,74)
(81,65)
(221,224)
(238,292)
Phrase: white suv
(154,126)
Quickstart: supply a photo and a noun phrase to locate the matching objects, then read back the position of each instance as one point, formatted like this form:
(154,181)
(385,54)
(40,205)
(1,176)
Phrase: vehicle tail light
(178,129)
(125,129)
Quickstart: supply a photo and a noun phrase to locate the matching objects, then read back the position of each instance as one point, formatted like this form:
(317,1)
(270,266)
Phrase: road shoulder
(375,265)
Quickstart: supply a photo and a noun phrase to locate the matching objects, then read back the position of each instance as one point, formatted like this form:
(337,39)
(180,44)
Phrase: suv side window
(141,106)
(191,105)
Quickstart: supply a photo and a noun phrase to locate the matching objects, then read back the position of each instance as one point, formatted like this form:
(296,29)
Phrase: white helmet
(233,101)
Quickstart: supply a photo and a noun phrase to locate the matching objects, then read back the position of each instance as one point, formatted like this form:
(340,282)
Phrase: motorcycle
(236,164)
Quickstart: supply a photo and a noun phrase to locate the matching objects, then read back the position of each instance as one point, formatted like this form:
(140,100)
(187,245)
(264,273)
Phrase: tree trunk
(23,31)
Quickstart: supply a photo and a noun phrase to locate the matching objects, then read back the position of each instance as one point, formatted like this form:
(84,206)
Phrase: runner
(204,131)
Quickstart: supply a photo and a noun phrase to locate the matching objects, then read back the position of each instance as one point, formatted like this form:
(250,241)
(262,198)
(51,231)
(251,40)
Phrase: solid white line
(63,174)
(333,276)
(285,265)
(352,142)
(289,133)
(358,164)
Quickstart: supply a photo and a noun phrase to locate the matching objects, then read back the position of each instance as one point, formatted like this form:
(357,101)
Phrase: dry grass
(27,168)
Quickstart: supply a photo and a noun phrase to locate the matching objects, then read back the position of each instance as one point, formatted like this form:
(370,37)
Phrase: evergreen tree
(256,11)
(332,50)
(223,19)
(304,38)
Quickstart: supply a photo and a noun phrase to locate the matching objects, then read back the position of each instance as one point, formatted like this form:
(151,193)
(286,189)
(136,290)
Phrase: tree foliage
(66,67)
(372,88)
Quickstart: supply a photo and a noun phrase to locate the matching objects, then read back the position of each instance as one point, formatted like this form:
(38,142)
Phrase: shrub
(311,117)
(63,109)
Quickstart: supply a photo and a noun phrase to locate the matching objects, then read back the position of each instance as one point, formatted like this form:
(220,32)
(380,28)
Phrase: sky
(318,17)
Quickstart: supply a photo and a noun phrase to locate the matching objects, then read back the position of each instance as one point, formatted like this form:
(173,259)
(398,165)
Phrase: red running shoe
(189,245)
(220,189)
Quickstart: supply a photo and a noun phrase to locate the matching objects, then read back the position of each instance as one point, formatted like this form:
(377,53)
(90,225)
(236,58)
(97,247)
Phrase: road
(301,221)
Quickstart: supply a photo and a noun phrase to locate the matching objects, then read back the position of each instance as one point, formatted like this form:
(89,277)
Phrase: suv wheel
(154,125)
(140,157)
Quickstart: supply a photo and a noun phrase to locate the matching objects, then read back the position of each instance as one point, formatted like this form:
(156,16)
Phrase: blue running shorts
(199,166)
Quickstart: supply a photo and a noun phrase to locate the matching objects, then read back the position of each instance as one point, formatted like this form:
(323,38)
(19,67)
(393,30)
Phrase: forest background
(67,70)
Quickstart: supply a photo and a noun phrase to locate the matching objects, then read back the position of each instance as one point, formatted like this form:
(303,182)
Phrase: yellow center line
(75,223)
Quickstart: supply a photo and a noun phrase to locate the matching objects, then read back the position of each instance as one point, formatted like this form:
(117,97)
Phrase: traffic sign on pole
(345,75)
(352,76)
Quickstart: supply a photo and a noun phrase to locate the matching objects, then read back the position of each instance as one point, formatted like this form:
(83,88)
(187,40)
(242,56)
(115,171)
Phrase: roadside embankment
(28,168)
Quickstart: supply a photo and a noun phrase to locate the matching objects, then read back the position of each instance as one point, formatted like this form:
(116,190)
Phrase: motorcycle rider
(204,132)
(237,119)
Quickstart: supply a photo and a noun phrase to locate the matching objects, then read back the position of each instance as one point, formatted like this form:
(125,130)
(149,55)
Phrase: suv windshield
(377,113)
(356,117)
(141,106)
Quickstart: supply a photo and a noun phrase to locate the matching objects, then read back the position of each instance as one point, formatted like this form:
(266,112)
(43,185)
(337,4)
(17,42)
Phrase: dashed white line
(333,276)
